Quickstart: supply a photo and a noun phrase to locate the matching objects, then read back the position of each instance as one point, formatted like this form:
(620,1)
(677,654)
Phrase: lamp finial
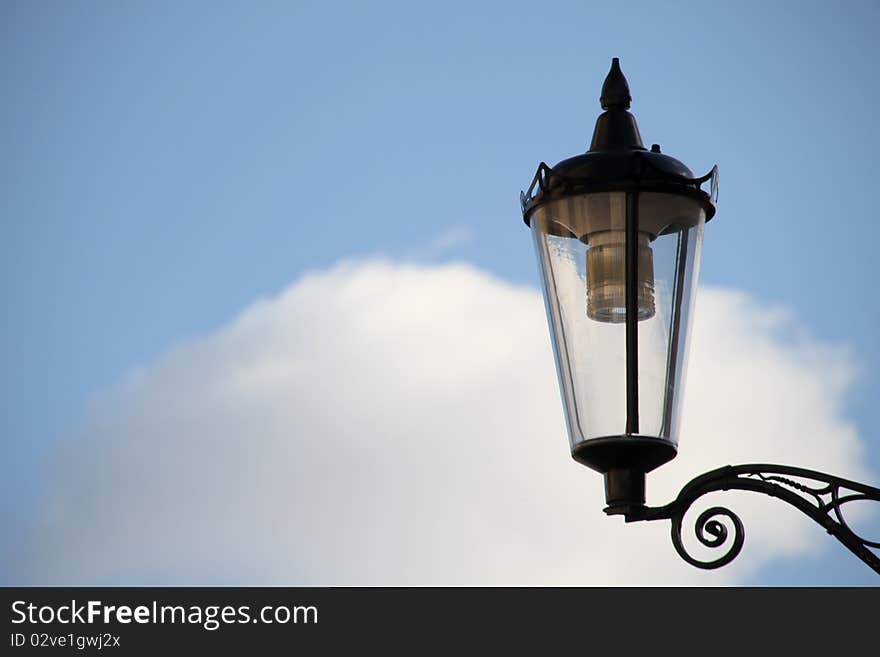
(615,90)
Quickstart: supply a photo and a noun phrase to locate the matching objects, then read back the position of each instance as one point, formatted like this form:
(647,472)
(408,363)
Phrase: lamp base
(621,452)
(624,489)
(624,460)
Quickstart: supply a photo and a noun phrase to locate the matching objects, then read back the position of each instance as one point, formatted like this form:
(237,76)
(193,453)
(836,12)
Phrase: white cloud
(442,244)
(388,424)
(453,236)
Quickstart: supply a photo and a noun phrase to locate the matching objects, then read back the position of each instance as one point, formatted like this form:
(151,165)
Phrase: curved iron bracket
(821,499)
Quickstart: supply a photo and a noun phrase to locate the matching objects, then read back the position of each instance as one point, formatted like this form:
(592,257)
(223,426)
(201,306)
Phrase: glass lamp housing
(580,244)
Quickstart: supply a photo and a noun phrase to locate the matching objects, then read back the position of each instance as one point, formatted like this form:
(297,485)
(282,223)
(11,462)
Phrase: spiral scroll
(718,535)
(822,503)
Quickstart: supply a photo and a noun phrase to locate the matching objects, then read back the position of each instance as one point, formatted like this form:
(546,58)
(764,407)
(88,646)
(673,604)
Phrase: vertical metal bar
(674,331)
(632,312)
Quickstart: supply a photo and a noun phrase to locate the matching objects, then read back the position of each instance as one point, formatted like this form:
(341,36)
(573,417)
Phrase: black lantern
(617,232)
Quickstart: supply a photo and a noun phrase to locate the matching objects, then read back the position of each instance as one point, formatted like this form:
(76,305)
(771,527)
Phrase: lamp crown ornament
(616,128)
(615,89)
(618,233)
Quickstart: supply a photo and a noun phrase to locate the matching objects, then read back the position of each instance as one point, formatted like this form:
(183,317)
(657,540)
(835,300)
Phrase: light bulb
(606,277)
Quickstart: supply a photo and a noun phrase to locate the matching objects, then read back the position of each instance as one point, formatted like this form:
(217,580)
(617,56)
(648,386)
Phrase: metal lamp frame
(618,162)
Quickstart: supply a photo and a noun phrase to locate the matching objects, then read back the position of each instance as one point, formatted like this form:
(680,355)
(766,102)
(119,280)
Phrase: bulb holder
(606,278)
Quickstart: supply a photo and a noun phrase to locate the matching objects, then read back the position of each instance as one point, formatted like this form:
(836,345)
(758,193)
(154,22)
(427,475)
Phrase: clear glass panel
(689,243)
(580,244)
(663,339)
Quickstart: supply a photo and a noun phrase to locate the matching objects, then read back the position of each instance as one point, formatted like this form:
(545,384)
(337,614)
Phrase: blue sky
(166,164)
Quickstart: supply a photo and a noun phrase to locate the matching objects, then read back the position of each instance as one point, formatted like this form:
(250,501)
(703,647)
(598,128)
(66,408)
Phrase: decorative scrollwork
(822,503)
(717,536)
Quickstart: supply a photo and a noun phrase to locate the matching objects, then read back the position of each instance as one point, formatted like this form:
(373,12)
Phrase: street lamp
(618,232)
